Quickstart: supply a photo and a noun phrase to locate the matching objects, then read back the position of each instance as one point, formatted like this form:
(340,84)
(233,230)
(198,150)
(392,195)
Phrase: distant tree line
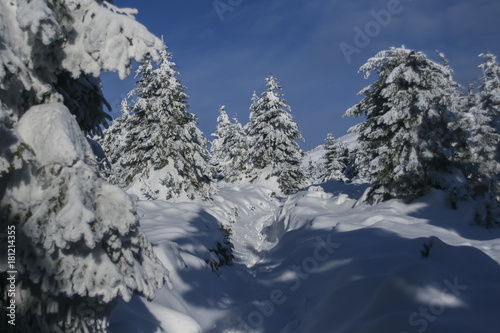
(422,130)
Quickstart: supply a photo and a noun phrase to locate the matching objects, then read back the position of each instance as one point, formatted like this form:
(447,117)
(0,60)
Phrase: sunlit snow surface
(319,261)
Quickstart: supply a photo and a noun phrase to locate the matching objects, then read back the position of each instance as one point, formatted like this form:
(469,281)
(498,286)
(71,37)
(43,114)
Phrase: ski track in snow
(370,277)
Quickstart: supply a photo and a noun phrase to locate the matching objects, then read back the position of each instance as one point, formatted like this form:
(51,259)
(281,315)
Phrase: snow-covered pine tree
(218,152)
(336,159)
(352,170)
(486,130)
(78,241)
(161,152)
(463,129)
(115,144)
(229,148)
(406,140)
(272,134)
(484,142)
(459,128)
(79,247)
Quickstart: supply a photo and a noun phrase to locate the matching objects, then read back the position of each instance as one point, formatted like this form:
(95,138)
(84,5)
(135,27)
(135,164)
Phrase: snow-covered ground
(319,261)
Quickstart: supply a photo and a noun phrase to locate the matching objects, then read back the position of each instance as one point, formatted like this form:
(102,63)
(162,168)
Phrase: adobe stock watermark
(222,7)
(427,314)
(11,275)
(266,308)
(363,37)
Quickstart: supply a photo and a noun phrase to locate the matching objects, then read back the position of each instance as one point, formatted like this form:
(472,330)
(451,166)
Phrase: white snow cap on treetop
(53,134)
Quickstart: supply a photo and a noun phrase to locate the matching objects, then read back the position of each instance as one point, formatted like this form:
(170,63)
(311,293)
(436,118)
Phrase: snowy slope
(314,159)
(320,261)
(317,154)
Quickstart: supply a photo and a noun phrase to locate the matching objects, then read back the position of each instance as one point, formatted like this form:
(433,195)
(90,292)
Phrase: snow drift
(322,261)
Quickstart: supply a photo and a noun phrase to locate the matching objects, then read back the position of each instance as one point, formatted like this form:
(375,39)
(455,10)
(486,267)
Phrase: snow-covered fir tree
(272,134)
(229,150)
(115,136)
(314,170)
(82,248)
(218,152)
(484,142)
(463,128)
(406,140)
(79,247)
(336,159)
(155,144)
(352,170)
(486,130)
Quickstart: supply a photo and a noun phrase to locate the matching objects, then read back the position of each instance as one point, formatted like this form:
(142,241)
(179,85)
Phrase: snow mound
(53,133)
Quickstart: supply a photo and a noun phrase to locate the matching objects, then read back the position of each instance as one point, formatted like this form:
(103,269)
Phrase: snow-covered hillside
(315,159)
(318,261)
(317,154)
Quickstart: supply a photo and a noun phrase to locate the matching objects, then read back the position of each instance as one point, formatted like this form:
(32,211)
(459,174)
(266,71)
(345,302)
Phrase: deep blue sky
(222,62)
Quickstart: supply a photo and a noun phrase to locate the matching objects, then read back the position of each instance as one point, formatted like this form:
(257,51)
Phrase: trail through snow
(249,241)
(319,261)
(248,238)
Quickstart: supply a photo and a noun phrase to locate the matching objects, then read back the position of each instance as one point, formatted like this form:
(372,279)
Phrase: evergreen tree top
(223,123)
(273,96)
(125,108)
(491,77)
(329,141)
(223,117)
(402,70)
(490,65)
(272,84)
(389,60)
